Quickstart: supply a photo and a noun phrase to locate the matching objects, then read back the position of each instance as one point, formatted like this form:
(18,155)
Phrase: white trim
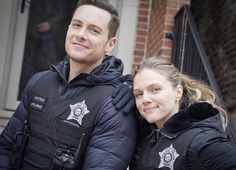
(8,13)
(17,58)
(127,33)
(5,22)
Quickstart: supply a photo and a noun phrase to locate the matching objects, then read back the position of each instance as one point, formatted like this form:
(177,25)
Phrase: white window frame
(17,57)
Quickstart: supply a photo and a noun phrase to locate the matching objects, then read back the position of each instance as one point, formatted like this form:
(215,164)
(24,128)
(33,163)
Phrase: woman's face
(156,98)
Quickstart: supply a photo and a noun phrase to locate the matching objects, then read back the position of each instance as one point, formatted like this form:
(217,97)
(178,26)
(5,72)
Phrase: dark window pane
(46,31)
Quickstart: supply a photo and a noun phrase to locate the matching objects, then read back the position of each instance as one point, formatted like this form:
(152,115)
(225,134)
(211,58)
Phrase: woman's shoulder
(208,136)
(210,149)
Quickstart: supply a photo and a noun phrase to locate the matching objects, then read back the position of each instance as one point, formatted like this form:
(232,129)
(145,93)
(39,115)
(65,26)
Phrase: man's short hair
(105,5)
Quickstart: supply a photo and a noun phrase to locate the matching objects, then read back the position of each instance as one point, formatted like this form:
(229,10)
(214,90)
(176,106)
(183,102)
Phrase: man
(68,109)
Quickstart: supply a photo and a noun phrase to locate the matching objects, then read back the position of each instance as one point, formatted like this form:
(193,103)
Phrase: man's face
(87,36)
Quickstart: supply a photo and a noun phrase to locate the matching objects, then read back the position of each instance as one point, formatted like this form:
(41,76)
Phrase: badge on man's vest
(78,111)
(168,156)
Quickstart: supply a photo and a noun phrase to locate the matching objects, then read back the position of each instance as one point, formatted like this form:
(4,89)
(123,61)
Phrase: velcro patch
(38,102)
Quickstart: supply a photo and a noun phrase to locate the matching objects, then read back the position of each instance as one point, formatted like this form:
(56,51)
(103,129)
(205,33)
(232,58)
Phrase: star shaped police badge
(168,157)
(78,111)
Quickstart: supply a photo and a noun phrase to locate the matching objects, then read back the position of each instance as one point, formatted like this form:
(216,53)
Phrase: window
(39,41)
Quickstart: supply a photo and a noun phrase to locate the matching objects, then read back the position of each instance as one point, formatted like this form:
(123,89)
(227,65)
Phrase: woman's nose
(146,98)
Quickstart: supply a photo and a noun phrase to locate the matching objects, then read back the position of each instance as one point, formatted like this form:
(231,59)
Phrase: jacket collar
(196,115)
(109,72)
(191,116)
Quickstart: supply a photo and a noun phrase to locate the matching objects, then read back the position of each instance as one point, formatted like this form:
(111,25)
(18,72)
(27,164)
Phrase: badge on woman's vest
(168,156)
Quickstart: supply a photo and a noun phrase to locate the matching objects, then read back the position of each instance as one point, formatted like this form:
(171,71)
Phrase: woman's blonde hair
(193,90)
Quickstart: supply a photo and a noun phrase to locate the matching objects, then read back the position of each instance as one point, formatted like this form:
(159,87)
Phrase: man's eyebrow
(95,26)
(75,20)
(92,25)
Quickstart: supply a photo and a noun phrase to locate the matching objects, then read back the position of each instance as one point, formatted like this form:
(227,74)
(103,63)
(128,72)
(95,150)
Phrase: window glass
(45,36)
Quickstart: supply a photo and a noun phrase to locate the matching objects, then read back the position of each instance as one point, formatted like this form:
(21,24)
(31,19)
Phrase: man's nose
(81,33)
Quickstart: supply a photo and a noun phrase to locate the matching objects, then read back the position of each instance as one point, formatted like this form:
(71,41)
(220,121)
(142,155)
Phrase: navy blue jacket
(114,136)
(192,139)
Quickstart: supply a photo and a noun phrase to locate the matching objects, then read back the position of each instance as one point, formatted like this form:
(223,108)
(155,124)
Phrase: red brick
(142,26)
(140,53)
(171,12)
(167,43)
(144,12)
(142,18)
(140,39)
(140,45)
(141,32)
(172,4)
(144,6)
(168,28)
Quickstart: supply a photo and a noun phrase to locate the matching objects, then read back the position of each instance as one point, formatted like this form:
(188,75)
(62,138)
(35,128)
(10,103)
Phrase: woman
(183,127)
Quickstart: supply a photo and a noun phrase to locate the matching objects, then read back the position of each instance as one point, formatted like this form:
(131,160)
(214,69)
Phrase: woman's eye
(137,95)
(156,90)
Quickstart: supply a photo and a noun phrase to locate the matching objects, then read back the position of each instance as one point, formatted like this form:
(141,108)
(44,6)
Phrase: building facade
(146,26)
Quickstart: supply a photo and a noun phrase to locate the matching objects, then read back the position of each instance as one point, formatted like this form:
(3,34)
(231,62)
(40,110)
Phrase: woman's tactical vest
(60,128)
(162,152)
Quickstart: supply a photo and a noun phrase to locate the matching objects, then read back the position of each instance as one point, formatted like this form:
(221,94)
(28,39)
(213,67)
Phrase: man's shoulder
(35,79)
(109,113)
(40,75)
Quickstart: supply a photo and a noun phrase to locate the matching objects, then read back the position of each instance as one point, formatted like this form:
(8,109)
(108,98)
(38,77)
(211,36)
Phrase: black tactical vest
(60,127)
(160,152)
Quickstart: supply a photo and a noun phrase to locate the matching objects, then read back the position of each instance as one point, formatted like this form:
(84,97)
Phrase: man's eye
(95,31)
(76,25)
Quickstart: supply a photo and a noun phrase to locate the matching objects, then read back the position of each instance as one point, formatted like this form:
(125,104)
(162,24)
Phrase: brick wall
(155,19)
(216,23)
(142,31)
(156,26)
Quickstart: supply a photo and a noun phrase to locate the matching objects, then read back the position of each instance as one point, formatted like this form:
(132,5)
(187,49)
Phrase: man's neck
(78,68)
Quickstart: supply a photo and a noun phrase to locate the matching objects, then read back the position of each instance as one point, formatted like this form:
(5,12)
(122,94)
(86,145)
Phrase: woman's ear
(179,92)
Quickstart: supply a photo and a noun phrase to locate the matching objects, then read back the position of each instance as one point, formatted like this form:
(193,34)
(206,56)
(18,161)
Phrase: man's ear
(110,44)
